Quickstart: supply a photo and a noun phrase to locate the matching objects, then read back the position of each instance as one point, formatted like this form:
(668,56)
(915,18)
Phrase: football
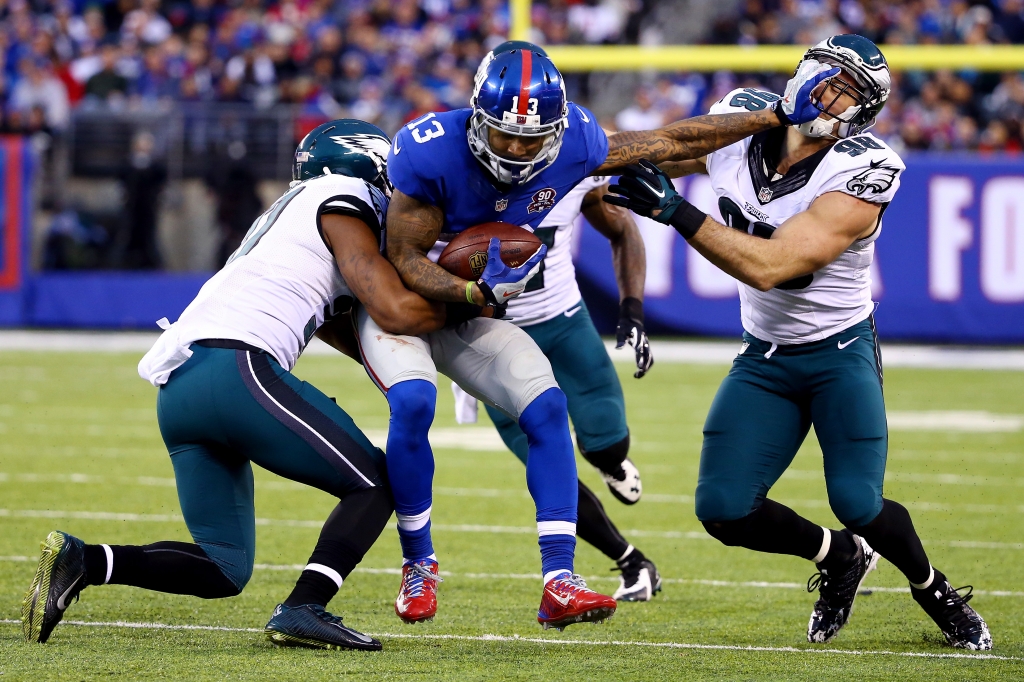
(466,255)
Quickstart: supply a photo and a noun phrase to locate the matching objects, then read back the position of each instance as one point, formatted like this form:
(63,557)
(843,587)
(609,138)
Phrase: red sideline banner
(15,216)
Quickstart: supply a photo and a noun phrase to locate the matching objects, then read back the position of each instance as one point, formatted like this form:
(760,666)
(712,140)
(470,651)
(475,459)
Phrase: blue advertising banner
(949,264)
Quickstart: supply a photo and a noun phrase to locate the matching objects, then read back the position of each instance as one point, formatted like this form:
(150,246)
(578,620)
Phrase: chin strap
(820,127)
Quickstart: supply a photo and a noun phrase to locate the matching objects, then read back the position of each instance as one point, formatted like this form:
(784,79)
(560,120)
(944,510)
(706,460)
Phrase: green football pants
(585,374)
(764,409)
(225,409)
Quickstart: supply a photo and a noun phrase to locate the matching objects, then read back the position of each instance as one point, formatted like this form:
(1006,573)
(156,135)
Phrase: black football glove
(631,328)
(644,188)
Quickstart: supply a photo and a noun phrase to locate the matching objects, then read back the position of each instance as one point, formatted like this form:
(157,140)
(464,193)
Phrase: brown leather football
(466,255)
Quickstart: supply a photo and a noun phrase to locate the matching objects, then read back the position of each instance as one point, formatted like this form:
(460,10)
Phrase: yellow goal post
(765,58)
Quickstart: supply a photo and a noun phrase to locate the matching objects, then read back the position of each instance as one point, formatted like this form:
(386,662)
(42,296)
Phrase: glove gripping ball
(466,255)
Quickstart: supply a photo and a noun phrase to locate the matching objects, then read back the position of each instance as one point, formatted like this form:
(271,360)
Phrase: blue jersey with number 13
(430,161)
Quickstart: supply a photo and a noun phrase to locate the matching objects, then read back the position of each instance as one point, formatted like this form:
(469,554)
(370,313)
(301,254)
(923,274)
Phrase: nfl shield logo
(765,195)
(477,262)
(500,205)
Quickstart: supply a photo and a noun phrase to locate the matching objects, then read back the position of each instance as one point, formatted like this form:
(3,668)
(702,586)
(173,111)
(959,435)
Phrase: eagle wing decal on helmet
(877,177)
(372,146)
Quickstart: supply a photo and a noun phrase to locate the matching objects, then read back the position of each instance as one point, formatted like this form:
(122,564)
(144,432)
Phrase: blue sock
(551,478)
(556,553)
(411,463)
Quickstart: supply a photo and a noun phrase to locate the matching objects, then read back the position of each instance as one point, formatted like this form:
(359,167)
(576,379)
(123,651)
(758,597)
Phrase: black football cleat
(962,626)
(837,588)
(639,580)
(624,483)
(311,626)
(59,578)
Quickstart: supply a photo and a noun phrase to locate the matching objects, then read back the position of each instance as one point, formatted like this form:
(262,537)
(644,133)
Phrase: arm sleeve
(409,171)
(731,105)
(594,137)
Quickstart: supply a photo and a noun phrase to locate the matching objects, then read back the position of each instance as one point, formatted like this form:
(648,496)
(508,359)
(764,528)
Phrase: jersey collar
(762,157)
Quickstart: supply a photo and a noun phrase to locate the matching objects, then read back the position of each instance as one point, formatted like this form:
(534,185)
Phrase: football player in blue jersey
(553,313)
(510,157)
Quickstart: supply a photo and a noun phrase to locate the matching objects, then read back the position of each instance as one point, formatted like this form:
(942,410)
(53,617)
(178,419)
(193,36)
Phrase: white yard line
(665,351)
(758,584)
(444,527)
(538,640)
(650,498)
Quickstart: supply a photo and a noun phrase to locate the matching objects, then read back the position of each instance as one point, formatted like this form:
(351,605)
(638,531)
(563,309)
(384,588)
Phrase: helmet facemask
(508,171)
(867,85)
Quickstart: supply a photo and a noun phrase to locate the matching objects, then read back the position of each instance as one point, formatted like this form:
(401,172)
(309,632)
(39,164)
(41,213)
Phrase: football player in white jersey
(803,208)
(227,398)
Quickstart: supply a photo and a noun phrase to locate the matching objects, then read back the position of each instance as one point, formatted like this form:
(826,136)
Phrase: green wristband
(469,293)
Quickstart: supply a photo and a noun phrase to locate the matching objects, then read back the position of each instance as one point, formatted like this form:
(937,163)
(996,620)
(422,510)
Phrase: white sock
(629,550)
(926,583)
(826,544)
(110,562)
(551,575)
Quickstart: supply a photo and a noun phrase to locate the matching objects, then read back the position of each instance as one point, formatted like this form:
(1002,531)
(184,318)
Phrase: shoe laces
(413,581)
(571,584)
(819,579)
(325,615)
(955,609)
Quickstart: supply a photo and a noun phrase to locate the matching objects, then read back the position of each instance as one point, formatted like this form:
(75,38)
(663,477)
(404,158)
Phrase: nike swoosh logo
(570,313)
(586,119)
(564,601)
(61,604)
(396,147)
(358,635)
(844,345)
(508,294)
(402,605)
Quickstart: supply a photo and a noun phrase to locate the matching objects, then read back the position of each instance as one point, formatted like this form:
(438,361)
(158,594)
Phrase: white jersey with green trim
(280,285)
(554,290)
(838,296)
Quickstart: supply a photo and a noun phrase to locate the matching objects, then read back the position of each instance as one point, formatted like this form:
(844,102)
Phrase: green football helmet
(864,63)
(345,147)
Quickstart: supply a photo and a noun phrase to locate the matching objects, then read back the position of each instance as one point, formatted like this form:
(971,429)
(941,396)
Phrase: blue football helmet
(521,93)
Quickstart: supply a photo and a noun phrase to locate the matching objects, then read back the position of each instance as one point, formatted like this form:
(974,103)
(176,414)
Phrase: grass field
(80,451)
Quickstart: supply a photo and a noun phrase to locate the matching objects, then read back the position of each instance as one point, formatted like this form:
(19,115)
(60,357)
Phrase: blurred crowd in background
(68,64)
(389,61)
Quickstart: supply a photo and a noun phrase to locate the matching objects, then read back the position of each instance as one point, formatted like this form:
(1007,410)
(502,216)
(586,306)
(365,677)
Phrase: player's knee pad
(855,502)
(716,503)
(609,458)
(235,567)
(733,533)
(547,415)
(600,424)
(412,406)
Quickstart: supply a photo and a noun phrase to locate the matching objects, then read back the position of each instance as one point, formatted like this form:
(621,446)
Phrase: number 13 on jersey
(434,131)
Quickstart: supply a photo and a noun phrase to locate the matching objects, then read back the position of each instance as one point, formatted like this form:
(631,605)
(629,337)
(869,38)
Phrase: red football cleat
(567,600)
(417,599)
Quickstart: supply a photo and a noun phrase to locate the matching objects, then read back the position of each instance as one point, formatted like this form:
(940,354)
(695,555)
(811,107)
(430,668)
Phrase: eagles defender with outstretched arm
(803,209)
(227,398)
(510,157)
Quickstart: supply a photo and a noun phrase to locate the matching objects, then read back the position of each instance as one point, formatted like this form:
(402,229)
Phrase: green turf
(90,414)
